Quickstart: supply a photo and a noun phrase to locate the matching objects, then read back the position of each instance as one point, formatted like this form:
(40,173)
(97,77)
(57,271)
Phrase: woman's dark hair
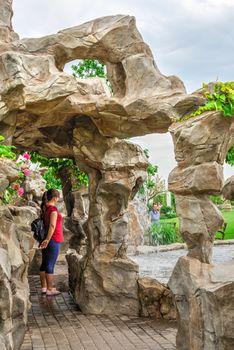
(47,196)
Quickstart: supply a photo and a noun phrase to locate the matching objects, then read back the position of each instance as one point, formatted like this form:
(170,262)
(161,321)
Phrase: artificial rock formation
(228,189)
(8,174)
(204,299)
(156,299)
(116,170)
(204,295)
(44,109)
(16,251)
(201,145)
(139,221)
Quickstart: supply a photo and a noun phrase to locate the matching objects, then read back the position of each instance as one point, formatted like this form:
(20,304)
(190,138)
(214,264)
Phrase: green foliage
(173,202)
(6,151)
(230,156)
(216,199)
(170,215)
(54,165)
(8,195)
(167,212)
(163,233)
(219,96)
(82,178)
(89,68)
(52,180)
(152,180)
(229,219)
(166,209)
(152,169)
(146,151)
(161,198)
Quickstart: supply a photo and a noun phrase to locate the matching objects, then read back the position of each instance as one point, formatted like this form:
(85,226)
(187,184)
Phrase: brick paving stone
(56,323)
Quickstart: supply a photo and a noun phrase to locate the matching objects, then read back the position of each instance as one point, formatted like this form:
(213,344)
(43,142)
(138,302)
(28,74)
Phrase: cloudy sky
(193,39)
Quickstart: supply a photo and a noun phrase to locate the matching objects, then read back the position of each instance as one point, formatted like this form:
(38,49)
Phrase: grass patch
(165,220)
(228,217)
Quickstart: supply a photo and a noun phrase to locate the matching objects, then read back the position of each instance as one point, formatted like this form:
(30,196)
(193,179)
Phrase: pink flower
(26,156)
(26,172)
(20,191)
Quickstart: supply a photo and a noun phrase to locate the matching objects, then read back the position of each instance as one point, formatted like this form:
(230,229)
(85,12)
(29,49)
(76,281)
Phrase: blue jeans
(49,257)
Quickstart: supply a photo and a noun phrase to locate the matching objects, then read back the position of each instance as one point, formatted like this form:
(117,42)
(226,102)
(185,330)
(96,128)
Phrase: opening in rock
(64,175)
(150,234)
(92,68)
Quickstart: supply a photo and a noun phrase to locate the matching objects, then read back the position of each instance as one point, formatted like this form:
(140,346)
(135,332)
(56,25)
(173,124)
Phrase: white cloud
(161,151)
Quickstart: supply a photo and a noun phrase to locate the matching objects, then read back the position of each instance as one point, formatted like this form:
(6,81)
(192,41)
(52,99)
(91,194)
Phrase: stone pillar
(104,281)
(200,147)
(6,32)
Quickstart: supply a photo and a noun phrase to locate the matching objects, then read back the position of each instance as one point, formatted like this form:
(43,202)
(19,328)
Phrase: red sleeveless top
(58,232)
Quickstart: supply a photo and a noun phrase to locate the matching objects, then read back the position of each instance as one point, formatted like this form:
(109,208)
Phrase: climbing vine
(55,165)
(219,97)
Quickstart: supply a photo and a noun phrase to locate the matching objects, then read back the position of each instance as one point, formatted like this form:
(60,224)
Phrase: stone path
(56,323)
(160,265)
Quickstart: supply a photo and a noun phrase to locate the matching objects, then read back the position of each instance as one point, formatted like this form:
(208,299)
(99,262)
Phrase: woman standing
(51,245)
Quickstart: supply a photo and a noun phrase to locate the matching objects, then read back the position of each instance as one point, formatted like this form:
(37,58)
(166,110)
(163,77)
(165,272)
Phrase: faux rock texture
(204,297)
(116,170)
(111,280)
(139,221)
(156,299)
(8,174)
(44,109)
(228,189)
(201,145)
(35,186)
(16,251)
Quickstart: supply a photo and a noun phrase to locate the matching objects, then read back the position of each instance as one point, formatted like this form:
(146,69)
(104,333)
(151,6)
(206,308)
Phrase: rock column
(6,32)
(104,281)
(200,147)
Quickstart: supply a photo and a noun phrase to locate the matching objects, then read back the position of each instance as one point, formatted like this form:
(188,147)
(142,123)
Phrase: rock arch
(46,110)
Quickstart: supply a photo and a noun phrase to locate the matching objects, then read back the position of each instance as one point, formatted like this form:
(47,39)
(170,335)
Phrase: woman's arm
(53,221)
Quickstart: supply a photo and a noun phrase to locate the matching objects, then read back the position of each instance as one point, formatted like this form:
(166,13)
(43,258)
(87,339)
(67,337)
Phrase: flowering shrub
(26,172)
(15,189)
(26,156)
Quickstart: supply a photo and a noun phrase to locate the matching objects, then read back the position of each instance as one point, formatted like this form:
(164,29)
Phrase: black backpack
(39,230)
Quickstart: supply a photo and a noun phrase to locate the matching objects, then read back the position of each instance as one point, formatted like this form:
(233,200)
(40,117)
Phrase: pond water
(160,265)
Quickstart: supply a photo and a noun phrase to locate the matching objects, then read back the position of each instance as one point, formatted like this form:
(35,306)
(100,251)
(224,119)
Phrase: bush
(166,209)
(162,234)
(171,215)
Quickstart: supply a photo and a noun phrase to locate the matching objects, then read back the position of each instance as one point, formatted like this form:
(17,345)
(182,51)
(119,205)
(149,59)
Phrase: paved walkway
(160,265)
(56,323)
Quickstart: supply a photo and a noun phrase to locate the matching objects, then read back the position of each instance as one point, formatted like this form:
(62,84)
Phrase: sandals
(43,290)
(52,292)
